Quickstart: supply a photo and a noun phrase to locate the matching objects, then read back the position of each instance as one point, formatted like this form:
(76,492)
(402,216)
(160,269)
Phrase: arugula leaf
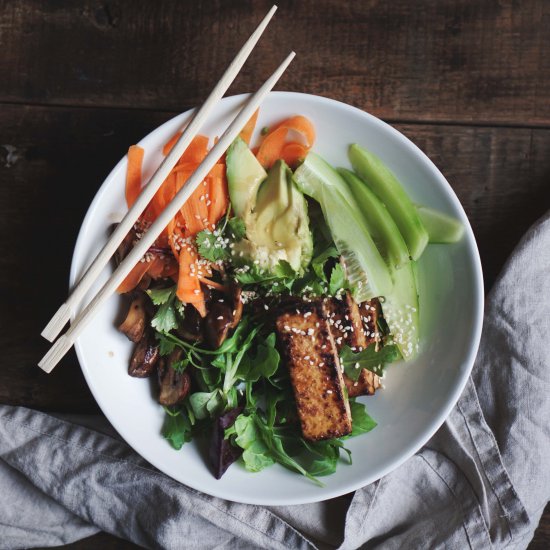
(262,361)
(237,228)
(328,453)
(211,245)
(255,453)
(277,451)
(177,429)
(337,280)
(361,421)
(369,359)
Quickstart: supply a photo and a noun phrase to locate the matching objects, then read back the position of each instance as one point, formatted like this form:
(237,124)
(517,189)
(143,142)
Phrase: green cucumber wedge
(400,306)
(366,270)
(442,229)
(401,311)
(385,185)
(381,226)
(244,176)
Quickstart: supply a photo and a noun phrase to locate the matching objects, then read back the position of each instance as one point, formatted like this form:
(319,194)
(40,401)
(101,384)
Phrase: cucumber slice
(401,311)
(366,270)
(400,306)
(380,224)
(388,189)
(442,229)
(244,175)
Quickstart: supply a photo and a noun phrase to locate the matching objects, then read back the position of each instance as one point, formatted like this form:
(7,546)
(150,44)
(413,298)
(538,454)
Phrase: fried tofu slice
(355,326)
(307,344)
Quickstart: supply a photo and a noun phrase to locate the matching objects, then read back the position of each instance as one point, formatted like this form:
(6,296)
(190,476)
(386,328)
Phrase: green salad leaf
(177,429)
(361,421)
(369,358)
(170,307)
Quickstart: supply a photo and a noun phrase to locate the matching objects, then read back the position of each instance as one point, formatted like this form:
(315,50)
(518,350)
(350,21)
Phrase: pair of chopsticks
(58,321)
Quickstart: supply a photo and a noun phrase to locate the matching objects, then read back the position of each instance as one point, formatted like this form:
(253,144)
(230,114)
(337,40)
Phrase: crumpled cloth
(482,481)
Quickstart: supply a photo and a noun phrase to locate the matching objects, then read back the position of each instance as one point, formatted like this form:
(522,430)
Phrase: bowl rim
(436,422)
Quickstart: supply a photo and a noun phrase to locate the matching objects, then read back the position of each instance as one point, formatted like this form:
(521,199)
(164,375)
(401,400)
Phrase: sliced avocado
(244,176)
(277,224)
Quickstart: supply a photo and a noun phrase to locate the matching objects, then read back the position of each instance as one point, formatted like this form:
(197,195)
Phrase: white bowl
(417,396)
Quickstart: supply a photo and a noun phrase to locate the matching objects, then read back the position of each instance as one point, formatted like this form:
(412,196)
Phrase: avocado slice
(277,224)
(244,176)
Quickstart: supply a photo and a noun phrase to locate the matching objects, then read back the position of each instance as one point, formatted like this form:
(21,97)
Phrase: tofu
(355,326)
(307,344)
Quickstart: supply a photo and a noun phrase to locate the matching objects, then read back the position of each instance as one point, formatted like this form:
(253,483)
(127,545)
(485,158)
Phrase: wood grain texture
(458,60)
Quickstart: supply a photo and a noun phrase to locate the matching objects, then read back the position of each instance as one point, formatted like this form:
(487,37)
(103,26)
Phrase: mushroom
(191,327)
(217,324)
(145,357)
(136,319)
(174,385)
(222,317)
(237,305)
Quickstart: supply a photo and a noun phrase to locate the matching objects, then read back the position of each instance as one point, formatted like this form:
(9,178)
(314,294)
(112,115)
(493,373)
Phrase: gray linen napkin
(482,481)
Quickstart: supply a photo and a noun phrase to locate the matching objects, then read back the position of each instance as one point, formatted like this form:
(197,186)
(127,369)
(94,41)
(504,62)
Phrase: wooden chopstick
(65,342)
(63,314)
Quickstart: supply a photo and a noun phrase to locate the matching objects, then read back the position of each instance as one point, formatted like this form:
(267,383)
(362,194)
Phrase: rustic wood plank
(459,60)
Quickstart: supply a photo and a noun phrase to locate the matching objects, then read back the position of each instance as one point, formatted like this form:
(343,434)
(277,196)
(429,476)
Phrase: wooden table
(467,81)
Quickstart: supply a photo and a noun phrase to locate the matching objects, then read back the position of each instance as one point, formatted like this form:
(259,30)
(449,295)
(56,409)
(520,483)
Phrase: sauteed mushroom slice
(217,324)
(145,357)
(174,385)
(191,327)
(237,305)
(136,319)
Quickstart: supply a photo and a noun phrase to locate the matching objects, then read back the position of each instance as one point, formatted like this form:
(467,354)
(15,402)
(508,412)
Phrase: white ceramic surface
(417,396)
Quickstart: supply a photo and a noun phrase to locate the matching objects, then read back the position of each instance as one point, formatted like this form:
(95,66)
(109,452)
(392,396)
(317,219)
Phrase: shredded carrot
(197,150)
(218,194)
(170,143)
(293,153)
(133,278)
(275,141)
(194,211)
(212,284)
(271,147)
(133,174)
(246,132)
(299,124)
(189,287)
